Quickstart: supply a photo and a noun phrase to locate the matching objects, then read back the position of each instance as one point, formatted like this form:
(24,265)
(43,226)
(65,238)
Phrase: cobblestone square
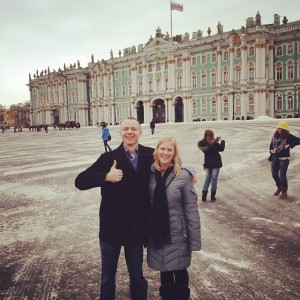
(49,246)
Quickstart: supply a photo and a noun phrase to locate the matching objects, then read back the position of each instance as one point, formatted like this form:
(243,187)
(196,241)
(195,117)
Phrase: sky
(35,34)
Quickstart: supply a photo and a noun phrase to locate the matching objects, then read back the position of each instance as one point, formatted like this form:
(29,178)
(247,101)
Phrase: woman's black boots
(213,196)
(204,195)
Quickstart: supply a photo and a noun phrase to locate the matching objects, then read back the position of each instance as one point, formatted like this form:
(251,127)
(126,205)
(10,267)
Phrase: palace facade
(240,74)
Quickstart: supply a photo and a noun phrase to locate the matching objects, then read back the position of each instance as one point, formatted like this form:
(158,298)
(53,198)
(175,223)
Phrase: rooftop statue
(208,31)
(257,18)
(220,27)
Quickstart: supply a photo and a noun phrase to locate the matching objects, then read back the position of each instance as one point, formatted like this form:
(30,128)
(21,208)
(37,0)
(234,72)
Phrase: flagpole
(171,21)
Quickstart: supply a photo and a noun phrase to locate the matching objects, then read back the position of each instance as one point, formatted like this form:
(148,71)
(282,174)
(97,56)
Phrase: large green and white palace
(240,74)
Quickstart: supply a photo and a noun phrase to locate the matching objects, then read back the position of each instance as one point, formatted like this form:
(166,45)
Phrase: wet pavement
(49,245)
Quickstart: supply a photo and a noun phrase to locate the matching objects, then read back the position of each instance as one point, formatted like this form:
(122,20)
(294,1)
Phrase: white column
(219,66)
(171,73)
(244,63)
(244,105)
(231,62)
(145,83)
(219,104)
(105,79)
(112,86)
(134,80)
(271,63)
(147,111)
(184,74)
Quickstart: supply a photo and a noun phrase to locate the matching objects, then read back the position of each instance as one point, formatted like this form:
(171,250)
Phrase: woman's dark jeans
(279,169)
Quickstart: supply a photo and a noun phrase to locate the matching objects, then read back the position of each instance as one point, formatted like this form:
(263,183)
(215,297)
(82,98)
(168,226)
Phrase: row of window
(290,70)
(213,59)
(290,50)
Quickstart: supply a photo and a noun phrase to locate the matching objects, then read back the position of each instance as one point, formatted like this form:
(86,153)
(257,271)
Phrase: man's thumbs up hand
(114,175)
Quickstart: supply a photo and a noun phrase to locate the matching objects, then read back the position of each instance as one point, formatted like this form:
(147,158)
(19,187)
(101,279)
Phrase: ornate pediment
(157,45)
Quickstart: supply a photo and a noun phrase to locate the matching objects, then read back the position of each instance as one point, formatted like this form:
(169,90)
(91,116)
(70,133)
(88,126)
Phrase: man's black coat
(125,205)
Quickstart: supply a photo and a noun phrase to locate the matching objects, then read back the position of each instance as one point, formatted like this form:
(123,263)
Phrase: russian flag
(176,6)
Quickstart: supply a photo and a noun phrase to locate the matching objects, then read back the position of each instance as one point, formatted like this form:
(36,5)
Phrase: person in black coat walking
(123,175)
(211,147)
(281,143)
(152,126)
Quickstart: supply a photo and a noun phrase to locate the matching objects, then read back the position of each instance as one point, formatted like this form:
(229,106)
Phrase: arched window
(238,53)
(290,102)
(194,80)
(194,103)
(203,59)
(213,77)
(225,106)
(225,75)
(203,107)
(279,51)
(179,63)
(290,71)
(213,106)
(278,72)
(251,51)
(140,91)
(149,68)
(203,78)
(290,49)
(213,57)
(225,55)
(123,89)
(238,74)
(179,82)
(251,103)
(279,102)
(117,91)
(251,71)
(150,86)
(194,61)
(158,84)
(140,70)
(158,66)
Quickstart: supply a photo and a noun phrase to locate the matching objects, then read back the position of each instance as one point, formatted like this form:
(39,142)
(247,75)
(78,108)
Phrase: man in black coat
(123,175)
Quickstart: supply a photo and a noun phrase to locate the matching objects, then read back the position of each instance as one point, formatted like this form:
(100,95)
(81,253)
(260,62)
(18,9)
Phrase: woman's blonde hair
(176,162)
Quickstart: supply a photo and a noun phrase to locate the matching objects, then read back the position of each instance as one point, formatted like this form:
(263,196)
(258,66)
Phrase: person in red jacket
(281,143)
(211,147)
(123,175)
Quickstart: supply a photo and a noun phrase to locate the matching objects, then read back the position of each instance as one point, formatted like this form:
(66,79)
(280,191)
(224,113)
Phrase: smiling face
(130,133)
(165,154)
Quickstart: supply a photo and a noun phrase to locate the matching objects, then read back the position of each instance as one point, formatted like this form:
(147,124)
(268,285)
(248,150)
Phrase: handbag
(109,137)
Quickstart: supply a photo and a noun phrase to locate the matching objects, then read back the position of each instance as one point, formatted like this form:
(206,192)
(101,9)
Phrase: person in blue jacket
(105,136)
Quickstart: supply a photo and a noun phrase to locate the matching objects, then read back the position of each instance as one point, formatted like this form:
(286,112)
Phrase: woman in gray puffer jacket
(174,225)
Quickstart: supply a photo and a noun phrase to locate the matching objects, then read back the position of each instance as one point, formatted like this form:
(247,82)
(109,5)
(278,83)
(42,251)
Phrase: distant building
(16,115)
(240,74)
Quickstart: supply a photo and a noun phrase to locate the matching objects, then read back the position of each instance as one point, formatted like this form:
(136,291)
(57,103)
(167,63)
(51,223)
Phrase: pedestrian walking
(211,147)
(281,143)
(174,224)
(123,175)
(152,126)
(105,137)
